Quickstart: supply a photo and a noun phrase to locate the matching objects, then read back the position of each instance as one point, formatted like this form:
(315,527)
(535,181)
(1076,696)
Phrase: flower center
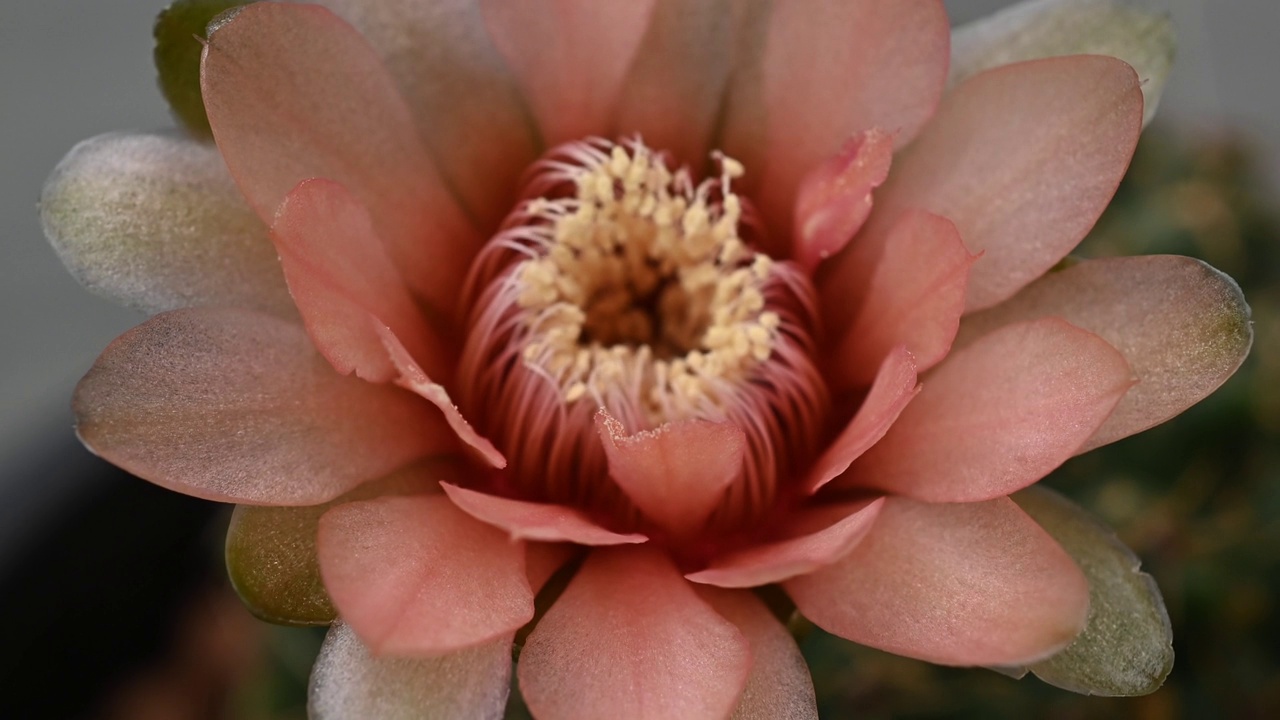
(621,284)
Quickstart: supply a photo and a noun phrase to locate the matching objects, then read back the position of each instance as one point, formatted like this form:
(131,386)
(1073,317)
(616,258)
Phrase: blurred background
(113,592)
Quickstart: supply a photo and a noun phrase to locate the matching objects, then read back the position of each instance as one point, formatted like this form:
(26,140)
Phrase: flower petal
(417,576)
(815,538)
(830,70)
(155,222)
(461,95)
(340,274)
(834,198)
(998,416)
(349,682)
(895,385)
(1048,28)
(1127,646)
(235,406)
(1023,159)
(914,297)
(571,58)
(1183,327)
(779,686)
(630,639)
(292,93)
(674,90)
(677,473)
(536,521)
(954,584)
(271,551)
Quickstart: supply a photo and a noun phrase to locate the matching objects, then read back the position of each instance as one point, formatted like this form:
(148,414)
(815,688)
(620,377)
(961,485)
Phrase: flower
(605,322)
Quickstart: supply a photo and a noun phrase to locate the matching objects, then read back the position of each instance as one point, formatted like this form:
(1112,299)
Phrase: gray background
(73,69)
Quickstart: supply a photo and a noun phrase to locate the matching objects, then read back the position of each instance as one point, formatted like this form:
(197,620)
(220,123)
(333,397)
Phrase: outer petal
(340,274)
(417,576)
(156,223)
(677,473)
(895,385)
(536,521)
(1023,159)
(292,93)
(234,406)
(914,298)
(1047,28)
(571,58)
(967,584)
(460,93)
(816,538)
(834,69)
(998,416)
(630,639)
(675,87)
(1127,646)
(1183,326)
(349,682)
(779,687)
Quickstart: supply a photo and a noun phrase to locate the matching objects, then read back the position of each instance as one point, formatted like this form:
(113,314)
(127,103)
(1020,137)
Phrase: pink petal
(235,406)
(542,560)
(914,297)
(1183,326)
(1023,159)
(830,70)
(293,92)
(894,386)
(349,682)
(999,415)
(816,538)
(464,100)
(340,274)
(570,58)
(629,639)
(535,521)
(835,197)
(779,686)
(677,473)
(965,584)
(411,377)
(415,575)
(674,90)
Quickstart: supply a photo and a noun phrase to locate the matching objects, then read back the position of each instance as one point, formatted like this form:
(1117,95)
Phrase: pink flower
(635,307)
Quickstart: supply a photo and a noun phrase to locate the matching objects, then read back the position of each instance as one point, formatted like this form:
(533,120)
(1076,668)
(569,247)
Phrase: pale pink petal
(348,682)
(1023,159)
(340,274)
(779,686)
(915,297)
(542,522)
(998,416)
(570,57)
(629,639)
(411,377)
(835,197)
(416,575)
(1183,326)
(293,92)
(955,584)
(460,93)
(677,473)
(815,538)
(156,223)
(830,70)
(893,388)
(235,406)
(674,91)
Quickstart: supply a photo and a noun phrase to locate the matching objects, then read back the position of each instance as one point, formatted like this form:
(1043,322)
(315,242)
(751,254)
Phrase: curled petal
(536,521)
(835,197)
(954,584)
(417,576)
